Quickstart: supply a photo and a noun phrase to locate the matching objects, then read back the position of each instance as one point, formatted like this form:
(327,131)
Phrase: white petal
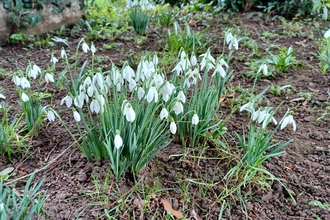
(173,127)
(76,116)
(2,96)
(51,116)
(141,93)
(118,141)
(25,98)
(195,119)
(163,114)
(327,34)
(181,97)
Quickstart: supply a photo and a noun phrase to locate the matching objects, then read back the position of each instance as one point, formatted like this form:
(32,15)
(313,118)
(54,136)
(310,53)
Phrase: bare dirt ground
(304,168)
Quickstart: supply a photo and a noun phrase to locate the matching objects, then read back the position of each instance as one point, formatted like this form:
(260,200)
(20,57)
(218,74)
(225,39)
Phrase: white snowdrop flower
(76,116)
(177,69)
(24,97)
(173,127)
(178,107)
(223,63)
(34,71)
(2,207)
(208,60)
(327,34)
(118,141)
(98,78)
(186,83)
(234,43)
(79,100)
(87,82)
(25,83)
(101,101)
(51,116)
(17,80)
(193,60)
(158,80)
(264,69)
(289,120)
(167,89)
(181,96)
(140,93)
(49,78)
(95,106)
(67,100)
(2,96)
(132,85)
(54,60)
(229,37)
(85,47)
(163,114)
(155,59)
(63,53)
(152,94)
(129,112)
(247,107)
(128,73)
(90,90)
(220,70)
(93,49)
(195,119)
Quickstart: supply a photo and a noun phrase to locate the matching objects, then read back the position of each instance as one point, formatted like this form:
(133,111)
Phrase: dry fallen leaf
(168,208)
(222,99)
(192,23)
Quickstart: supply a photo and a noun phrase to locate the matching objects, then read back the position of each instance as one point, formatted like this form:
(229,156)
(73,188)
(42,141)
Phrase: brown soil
(304,168)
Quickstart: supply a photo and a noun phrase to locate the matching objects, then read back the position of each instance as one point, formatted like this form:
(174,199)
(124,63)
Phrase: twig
(45,167)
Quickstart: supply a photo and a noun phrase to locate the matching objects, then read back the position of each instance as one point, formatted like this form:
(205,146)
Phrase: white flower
(163,114)
(288,120)
(54,60)
(178,107)
(208,61)
(76,116)
(90,90)
(193,60)
(118,141)
(93,49)
(98,78)
(195,119)
(219,69)
(63,53)
(181,97)
(49,78)
(17,80)
(24,97)
(79,100)
(152,94)
(155,59)
(140,93)
(327,34)
(167,89)
(25,83)
(233,43)
(173,127)
(247,107)
(34,71)
(68,101)
(228,37)
(95,106)
(177,69)
(85,47)
(2,96)
(129,112)
(263,67)
(51,116)
(128,73)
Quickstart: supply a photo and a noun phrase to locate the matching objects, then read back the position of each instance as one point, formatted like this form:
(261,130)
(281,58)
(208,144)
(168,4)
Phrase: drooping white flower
(24,97)
(140,93)
(79,100)
(177,69)
(63,53)
(49,78)
(118,141)
(152,94)
(98,79)
(229,37)
(2,96)
(247,107)
(289,120)
(67,100)
(93,49)
(54,60)
(233,43)
(76,116)
(173,127)
(193,60)
(51,116)
(220,70)
(25,83)
(17,80)
(85,47)
(264,69)
(195,119)
(132,85)
(87,82)
(167,90)
(90,90)
(178,107)
(208,60)
(129,112)
(181,96)
(163,114)
(34,71)
(95,106)
(128,73)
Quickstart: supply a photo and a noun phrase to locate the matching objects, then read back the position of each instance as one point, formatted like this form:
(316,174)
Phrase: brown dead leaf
(222,99)
(313,90)
(192,23)
(297,99)
(168,208)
